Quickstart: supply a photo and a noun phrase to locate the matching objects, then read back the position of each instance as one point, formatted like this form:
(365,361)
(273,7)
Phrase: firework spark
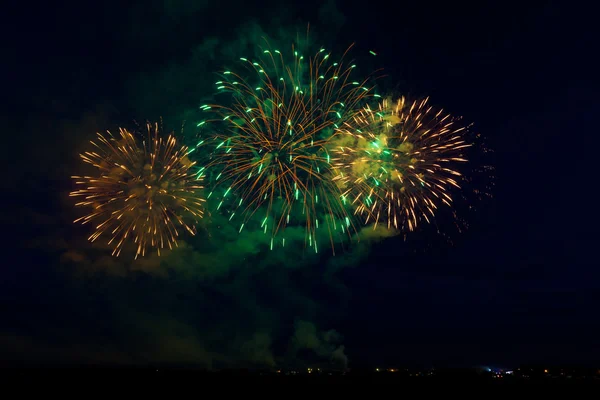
(400,162)
(273,154)
(142,192)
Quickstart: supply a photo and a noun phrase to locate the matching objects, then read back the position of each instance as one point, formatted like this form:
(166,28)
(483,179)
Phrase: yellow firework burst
(398,163)
(143,191)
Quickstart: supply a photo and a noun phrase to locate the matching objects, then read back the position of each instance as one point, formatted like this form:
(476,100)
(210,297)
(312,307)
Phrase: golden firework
(399,163)
(143,192)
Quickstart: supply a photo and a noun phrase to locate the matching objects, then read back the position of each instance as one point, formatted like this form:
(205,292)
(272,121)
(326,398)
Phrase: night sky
(520,285)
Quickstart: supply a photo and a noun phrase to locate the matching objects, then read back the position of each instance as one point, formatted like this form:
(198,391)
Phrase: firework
(142,192)
(272,159)
(399,163)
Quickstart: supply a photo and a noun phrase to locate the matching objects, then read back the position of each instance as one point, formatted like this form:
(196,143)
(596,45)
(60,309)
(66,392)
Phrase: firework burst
(144,193)
(400,162)
(272,158)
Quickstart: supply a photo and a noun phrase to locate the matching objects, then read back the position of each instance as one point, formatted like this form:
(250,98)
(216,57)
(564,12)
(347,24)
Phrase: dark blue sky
(521,285)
